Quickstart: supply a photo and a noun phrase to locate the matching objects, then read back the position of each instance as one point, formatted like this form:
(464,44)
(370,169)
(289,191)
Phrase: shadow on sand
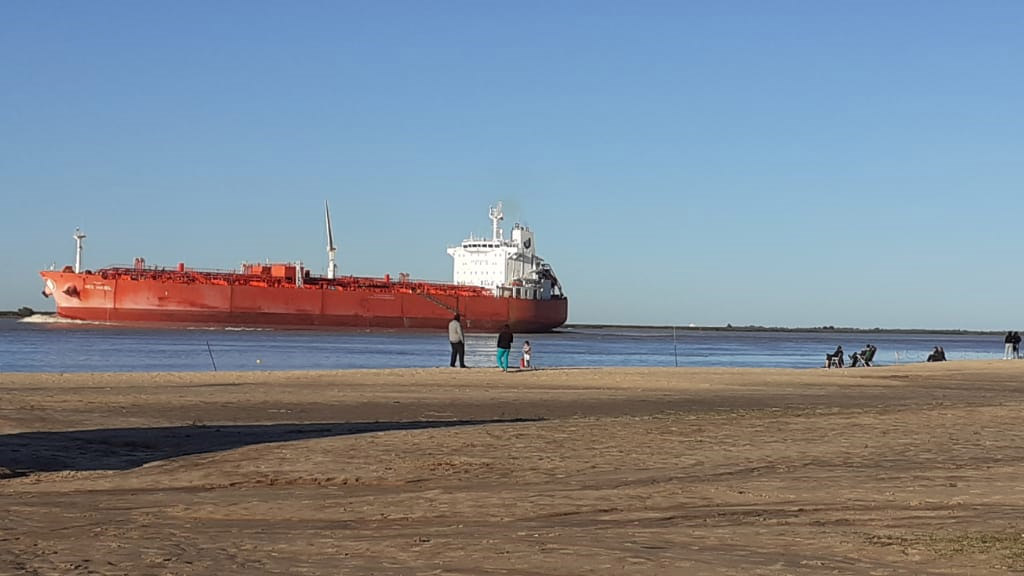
(125,448)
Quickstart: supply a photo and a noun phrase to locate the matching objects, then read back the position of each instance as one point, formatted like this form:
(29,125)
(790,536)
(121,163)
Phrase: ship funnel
(332,262)
(78,250)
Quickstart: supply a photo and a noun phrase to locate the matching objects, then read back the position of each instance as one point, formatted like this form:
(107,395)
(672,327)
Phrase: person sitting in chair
(937,355)
(864,357)
(835,358)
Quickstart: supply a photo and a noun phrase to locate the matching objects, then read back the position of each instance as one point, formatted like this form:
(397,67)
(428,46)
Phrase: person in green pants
(504,347)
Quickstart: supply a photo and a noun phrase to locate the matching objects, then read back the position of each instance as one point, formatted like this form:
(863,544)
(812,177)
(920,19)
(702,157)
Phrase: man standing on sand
(1008,350)
(458,342)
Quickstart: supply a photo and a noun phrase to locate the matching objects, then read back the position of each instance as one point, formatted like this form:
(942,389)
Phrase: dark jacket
(505,339)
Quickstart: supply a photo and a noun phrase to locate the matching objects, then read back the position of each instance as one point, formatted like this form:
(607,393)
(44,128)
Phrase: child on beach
(527,350)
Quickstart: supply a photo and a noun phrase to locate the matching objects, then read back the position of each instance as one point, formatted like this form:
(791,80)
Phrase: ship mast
(78,250)
(332,262)
(496,217)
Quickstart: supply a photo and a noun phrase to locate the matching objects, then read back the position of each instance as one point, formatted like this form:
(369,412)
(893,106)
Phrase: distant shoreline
(23,313)
(822,329)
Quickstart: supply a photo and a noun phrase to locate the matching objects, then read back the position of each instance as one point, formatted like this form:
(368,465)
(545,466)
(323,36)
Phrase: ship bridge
(507,267)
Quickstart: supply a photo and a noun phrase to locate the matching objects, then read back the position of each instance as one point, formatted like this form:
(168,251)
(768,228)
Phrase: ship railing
(384,285)
(192,276)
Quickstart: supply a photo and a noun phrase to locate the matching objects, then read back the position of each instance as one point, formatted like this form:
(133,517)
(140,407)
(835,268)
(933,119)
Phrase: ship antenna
(496,217)
(78,250)
(332,252)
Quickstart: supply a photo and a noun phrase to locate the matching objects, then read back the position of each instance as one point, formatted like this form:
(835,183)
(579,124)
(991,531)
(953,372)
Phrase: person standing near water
(1008,350)
(504,347)
(458,342)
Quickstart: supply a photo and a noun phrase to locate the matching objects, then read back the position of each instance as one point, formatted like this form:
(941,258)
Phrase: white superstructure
(509,268)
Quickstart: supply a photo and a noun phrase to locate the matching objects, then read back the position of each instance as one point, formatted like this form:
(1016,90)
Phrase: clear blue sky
(784,163)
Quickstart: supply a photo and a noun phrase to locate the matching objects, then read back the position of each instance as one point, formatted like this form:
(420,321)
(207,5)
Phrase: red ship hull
(221,300)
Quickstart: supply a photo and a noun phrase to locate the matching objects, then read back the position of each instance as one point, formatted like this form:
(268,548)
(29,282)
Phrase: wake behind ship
(497,281)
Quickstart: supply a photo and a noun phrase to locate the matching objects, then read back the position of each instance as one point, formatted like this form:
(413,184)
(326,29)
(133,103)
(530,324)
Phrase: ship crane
(78,250)
(332,252)
(539,274)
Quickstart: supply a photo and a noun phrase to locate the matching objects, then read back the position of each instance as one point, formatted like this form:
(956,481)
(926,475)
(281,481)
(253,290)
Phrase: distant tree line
(753,328)
(22,312)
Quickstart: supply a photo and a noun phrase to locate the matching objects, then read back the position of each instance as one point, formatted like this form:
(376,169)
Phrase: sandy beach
(885,470)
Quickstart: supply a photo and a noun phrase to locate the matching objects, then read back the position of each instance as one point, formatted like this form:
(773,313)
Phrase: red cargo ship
(497,282)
